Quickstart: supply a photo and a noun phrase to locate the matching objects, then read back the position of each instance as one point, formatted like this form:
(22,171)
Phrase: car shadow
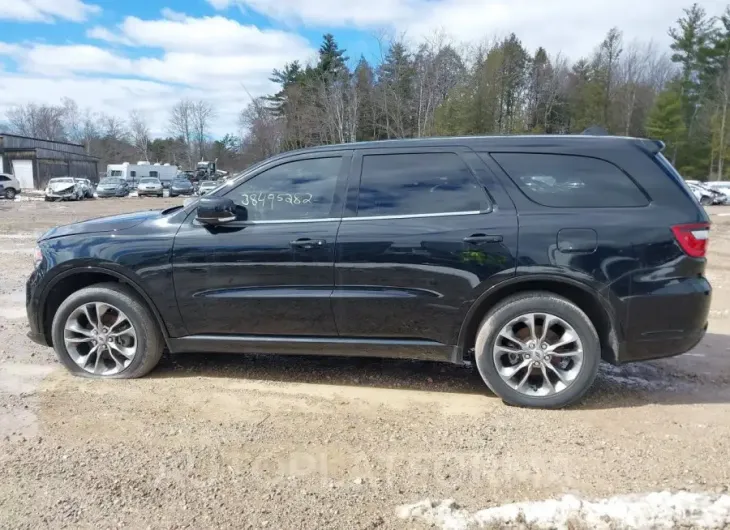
(698,377)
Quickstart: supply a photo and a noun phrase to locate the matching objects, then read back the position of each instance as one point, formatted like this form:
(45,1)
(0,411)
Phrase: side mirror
(215,210)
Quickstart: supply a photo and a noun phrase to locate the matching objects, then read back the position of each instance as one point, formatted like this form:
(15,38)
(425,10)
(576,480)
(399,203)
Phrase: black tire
(536,302)
(47,199)
(10,194)
(706,201)
(151,342)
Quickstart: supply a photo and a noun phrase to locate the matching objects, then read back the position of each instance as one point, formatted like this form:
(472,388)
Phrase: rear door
(421,238)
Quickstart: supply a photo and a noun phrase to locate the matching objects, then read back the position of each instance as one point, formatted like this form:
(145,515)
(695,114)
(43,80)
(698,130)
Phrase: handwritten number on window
(263,200)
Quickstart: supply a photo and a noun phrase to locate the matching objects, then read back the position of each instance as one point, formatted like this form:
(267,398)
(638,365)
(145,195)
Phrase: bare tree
(338,101)
(140,133)
(182,125)
(37,121)
(261,131)
(202,114)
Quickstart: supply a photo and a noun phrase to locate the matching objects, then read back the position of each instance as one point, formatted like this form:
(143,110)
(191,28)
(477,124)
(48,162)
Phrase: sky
(118,55)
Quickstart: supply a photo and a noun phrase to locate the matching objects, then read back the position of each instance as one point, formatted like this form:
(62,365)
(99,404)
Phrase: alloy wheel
(538,354)
(100,338)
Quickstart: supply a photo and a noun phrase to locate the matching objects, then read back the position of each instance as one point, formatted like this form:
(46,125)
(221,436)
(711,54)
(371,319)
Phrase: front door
(420,240)
(270,272)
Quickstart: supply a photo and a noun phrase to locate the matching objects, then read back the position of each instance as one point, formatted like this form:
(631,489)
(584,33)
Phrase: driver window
(303,189)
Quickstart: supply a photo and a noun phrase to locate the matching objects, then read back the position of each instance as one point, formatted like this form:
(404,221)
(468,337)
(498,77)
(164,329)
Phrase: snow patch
(641,377)
(652,510)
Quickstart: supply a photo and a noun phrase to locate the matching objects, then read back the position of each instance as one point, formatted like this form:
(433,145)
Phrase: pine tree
(665,121)
(290,75)
(396,76)
(367,127)
(332,60)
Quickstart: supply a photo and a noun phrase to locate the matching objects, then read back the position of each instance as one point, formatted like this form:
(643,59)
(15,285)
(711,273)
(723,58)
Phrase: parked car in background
(716,196)
(181,186)
(87,187)
(150,186)
(10,186)
(64,189)
(704,197)
(722,186)
(112,187)
(207,186)
(438,249)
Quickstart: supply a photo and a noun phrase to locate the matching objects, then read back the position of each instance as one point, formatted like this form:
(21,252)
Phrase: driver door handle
(308,244)
(482,238)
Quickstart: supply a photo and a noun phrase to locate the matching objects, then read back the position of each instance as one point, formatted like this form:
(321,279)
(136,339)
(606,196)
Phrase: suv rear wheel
(105,331)
(537,350)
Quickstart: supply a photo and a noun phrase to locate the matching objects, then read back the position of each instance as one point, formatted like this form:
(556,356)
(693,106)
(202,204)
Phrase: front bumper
(32,304)
(156,193)
(61,195)
(109,193)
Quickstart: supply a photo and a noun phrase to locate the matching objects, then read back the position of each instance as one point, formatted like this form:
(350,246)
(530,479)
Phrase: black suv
(533,257)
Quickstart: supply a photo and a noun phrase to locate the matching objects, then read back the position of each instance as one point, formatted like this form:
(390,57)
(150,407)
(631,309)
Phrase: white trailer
(133,172)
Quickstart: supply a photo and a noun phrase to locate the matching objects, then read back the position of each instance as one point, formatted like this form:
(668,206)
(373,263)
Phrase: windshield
(149,181)
(208,184)
(181,182)
(110,181)
(61,181)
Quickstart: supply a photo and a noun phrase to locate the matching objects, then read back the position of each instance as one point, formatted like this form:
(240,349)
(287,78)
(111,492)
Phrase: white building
(133,172)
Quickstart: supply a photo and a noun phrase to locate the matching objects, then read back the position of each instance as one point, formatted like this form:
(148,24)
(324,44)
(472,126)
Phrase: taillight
(693,238)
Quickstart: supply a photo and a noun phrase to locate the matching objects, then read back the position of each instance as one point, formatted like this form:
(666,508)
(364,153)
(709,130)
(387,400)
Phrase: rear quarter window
(570,181)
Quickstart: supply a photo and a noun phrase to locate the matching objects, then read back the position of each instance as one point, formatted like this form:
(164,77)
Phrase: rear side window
(568,181)
(4,178)
(413,184)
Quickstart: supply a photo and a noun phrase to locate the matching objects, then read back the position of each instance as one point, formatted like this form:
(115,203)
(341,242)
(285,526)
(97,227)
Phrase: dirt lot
(289,442)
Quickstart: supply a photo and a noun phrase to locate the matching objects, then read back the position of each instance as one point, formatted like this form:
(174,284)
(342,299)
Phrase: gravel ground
(304,442)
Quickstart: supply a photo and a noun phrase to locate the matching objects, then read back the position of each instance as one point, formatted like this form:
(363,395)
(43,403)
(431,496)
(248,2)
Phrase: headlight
(37,257)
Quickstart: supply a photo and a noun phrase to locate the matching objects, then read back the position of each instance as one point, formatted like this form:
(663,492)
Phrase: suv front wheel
(538,350)
(105,331)
(10,193)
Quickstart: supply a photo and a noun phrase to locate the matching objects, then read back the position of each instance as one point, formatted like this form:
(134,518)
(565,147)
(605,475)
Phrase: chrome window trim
(286,221)
(415,215)
(370,218)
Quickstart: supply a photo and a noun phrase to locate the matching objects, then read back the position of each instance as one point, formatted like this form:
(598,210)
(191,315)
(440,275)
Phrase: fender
(497,292)
(102,269)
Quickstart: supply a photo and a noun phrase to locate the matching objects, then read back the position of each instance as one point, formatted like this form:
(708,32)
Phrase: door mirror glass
(215,210)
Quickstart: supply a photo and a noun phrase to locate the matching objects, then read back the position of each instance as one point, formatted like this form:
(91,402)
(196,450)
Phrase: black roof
(41,139)
(490,142)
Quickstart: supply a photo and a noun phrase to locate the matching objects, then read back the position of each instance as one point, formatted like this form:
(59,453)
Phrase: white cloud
(46,10)
(211,58)
(209,36)
(173,15)
(573,27)
(60,60)
(101,33)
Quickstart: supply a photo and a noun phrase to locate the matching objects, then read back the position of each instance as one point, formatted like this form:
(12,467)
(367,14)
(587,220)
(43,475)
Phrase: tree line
(113,139)
(679,95)
(435,87)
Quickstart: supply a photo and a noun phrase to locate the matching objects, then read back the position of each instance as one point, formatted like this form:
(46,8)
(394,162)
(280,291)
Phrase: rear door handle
(308,244)
(482,238)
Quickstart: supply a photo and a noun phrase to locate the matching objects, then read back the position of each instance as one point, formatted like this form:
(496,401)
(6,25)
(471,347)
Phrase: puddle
(31,235)
(17,378)
(17,250)
(12,306)
(18,420)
